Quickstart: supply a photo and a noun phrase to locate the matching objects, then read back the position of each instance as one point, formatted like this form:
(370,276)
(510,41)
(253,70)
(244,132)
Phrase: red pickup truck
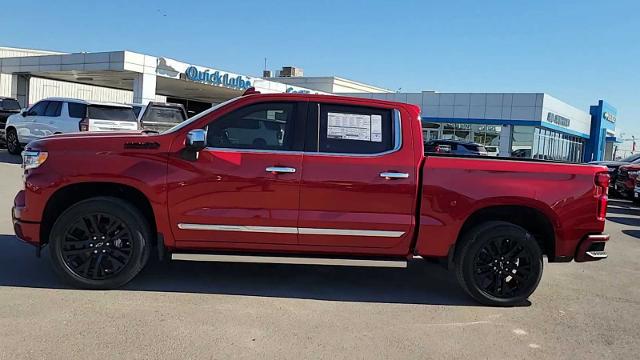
(293,178)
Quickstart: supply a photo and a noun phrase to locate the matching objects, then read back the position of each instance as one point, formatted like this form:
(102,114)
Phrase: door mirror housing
(196,140)
(24,113)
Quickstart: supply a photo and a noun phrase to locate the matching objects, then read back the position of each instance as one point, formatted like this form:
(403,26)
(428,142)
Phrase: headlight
(33,159)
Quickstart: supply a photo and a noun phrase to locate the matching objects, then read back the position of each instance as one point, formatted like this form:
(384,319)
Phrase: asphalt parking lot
(221,311)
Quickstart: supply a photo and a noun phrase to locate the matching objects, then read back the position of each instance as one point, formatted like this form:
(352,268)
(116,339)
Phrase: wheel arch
(71,194)
(531,219)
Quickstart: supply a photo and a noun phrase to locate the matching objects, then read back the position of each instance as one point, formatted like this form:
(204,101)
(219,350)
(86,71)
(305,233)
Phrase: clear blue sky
(577,51)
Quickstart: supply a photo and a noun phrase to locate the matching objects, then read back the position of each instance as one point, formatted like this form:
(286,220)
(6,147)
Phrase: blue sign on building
(217,78)
(603,129)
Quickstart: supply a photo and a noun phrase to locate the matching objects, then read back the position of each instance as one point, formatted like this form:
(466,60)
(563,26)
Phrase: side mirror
(24,113)
(196,140)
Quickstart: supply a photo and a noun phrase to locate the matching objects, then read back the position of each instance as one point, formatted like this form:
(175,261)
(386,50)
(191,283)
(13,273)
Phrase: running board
(288,260)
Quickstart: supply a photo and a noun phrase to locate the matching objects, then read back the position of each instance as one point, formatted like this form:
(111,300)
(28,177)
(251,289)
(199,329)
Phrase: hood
(116,141)
(632,167)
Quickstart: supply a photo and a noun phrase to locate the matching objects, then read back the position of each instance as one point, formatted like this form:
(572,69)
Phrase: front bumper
(26,231)
(591,248)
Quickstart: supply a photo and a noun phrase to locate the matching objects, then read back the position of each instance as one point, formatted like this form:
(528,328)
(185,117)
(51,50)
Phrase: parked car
(62,115)
(8,107)
(626,180)
(348,184)
(614,165)
(159,116)
(457,147)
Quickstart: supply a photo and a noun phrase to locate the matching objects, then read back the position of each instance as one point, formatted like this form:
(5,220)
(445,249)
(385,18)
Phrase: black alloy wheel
(13,144)
(499,263)
(97,246)
(99,243)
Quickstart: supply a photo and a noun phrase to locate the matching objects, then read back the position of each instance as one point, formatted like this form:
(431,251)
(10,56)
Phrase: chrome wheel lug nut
(95,251)
(90,245)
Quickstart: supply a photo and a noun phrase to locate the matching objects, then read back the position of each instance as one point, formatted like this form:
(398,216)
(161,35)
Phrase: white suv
(61,115)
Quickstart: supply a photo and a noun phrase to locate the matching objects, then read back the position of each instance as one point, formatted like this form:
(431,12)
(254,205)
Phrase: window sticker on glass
(354,127)
(376,128)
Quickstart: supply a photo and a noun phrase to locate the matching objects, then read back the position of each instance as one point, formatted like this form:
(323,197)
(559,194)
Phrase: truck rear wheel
(499,263)
(99,243)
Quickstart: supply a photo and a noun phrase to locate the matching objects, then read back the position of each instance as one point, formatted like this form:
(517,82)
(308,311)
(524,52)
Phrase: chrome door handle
(280,170)
(394,175)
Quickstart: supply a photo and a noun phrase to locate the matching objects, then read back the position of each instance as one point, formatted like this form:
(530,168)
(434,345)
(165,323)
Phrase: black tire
(499,263)
(13,143)
(99,243)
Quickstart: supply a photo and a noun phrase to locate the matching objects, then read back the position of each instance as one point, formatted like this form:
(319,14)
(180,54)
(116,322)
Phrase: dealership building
(528,125)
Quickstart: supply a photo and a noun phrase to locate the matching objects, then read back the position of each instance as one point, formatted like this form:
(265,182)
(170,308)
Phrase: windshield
(195,118)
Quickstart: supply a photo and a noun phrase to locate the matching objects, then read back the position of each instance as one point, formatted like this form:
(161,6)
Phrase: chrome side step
(288,260)
(597,254)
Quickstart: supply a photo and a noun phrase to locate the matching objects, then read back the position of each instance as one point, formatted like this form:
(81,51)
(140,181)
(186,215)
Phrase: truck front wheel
(99,243)
(498,263)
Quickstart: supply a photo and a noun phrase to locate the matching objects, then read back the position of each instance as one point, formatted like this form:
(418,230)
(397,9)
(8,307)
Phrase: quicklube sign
(217,78)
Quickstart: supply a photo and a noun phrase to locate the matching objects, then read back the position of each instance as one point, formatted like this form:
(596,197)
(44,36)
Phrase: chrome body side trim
(349,232)
(289,260)
(240,228)
(291,230)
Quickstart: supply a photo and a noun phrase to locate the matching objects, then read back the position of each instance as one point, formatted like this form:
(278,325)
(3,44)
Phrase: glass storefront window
(522,141)
(553,145)
(527,141)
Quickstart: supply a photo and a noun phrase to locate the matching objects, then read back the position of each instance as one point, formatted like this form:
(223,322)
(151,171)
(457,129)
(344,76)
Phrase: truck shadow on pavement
(623,207)
(421,283)
(7,158)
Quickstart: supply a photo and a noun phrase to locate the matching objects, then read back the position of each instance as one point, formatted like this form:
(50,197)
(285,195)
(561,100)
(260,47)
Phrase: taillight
(601,193)
(602,180)
(83,125)
(437,148)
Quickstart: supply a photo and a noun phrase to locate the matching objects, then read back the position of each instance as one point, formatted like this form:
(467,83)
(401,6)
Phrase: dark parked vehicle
(626,180)
(8,107)
(614,166)
(456,147)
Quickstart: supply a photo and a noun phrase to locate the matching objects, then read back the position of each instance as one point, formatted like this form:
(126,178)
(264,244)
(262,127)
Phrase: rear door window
(346,129)
(77,110)
(53,109)
(114,113)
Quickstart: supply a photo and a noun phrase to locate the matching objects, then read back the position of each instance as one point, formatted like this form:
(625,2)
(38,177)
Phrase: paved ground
(191,310)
